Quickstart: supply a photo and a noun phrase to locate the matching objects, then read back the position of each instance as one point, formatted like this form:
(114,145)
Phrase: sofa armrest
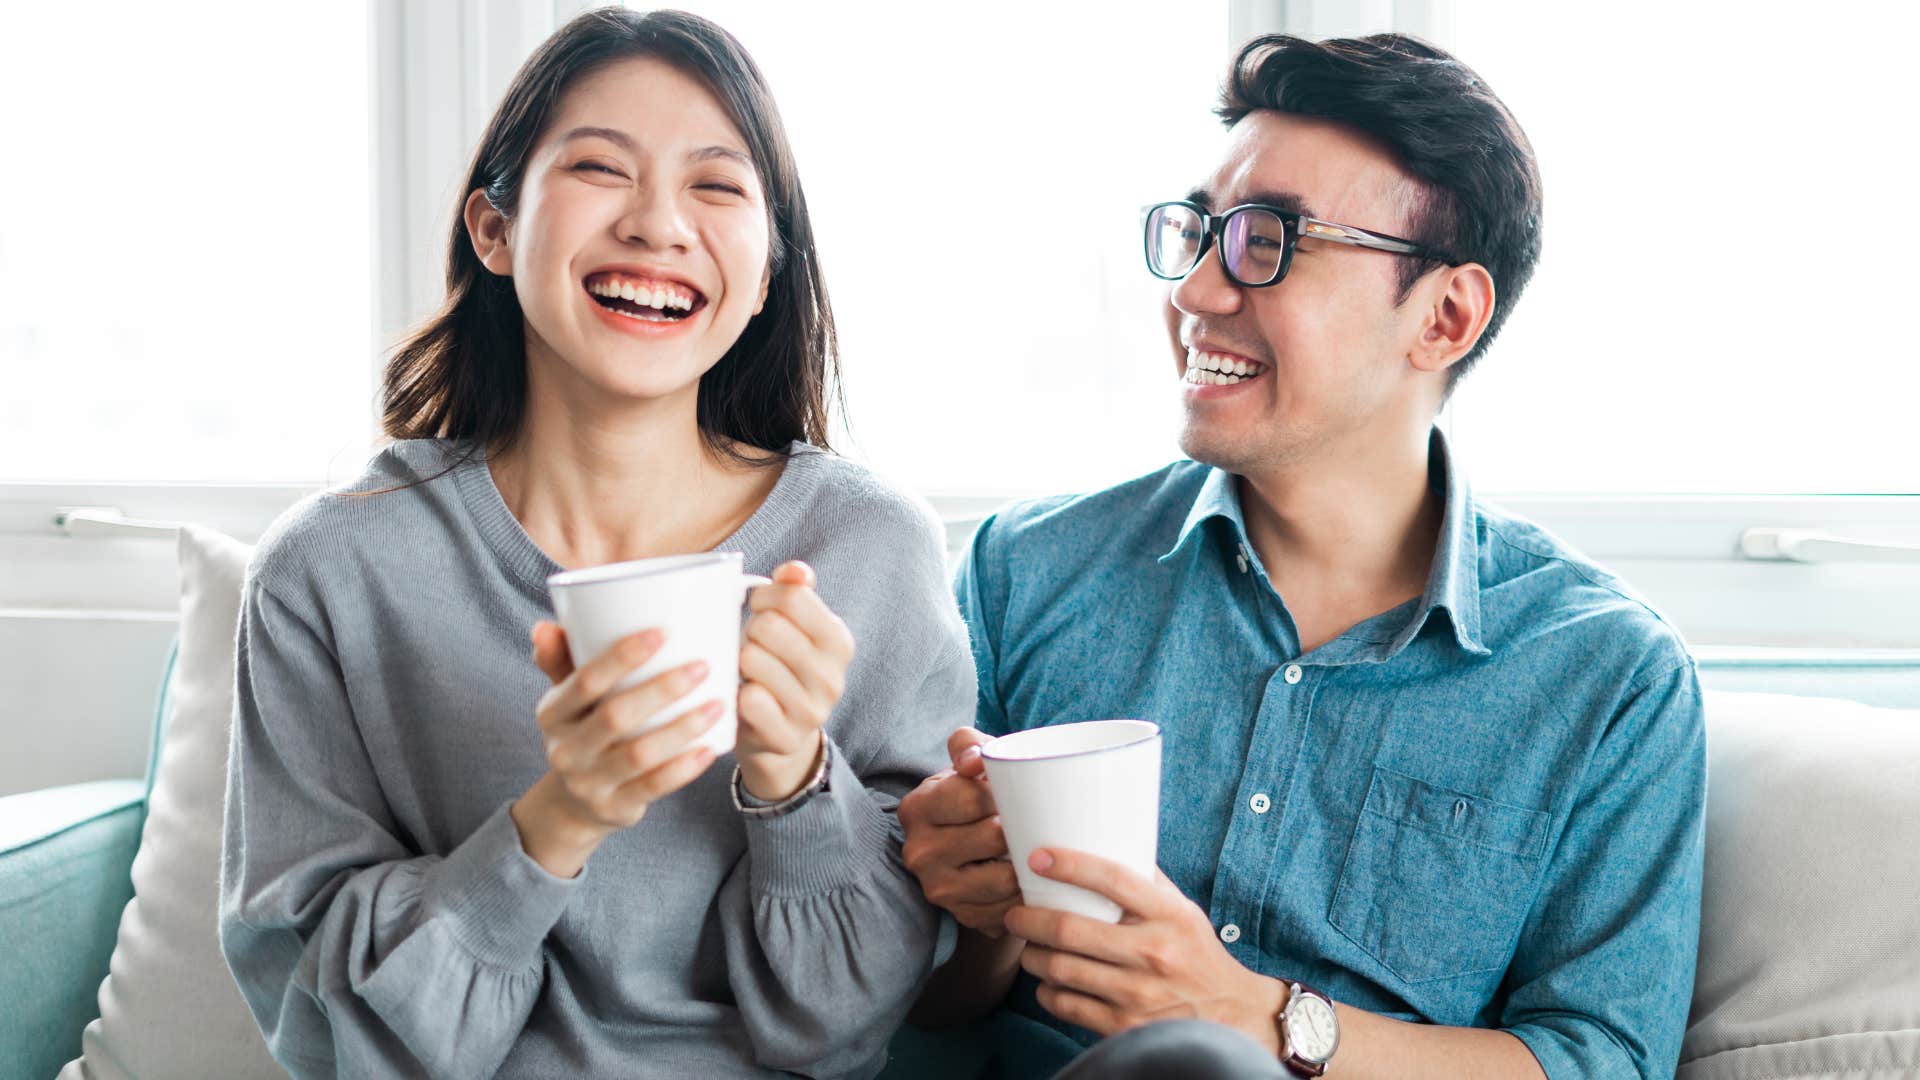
(66,871)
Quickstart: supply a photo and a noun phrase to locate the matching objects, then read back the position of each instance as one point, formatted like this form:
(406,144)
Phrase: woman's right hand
(603,771)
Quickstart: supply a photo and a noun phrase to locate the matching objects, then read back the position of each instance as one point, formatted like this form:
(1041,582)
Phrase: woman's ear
(487,228)
(1457,314)
(766,280)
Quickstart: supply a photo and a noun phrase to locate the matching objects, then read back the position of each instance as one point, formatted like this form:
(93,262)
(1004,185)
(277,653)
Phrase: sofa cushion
(168,1007)
(64,854)
(1809,960)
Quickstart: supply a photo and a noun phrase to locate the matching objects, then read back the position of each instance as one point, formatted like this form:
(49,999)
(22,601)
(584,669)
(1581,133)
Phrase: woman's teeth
(642,300)
(1215,369)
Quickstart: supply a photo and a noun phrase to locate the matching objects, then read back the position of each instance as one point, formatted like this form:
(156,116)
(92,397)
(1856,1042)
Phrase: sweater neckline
(529,564)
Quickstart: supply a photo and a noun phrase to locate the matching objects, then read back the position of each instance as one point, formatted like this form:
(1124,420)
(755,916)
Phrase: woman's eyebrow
(709,153)
(612,135)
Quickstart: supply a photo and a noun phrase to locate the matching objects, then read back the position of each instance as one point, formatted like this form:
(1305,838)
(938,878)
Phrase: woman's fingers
(759,665)
(624,714)
(821,675)
(550,651)
(580,691)
(808,611)
(619,765)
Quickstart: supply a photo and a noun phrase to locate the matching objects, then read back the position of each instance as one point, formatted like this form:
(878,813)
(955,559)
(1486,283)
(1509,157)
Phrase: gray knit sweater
(377,909)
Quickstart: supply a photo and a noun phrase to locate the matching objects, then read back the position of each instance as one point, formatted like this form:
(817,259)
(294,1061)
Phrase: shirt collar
(1453,583)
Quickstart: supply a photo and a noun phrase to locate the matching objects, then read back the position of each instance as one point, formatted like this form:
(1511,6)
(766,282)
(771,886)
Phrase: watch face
(1312,1028)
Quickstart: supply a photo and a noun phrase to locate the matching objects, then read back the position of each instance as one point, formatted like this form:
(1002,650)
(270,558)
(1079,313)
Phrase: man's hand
(954,844)
(1161,962)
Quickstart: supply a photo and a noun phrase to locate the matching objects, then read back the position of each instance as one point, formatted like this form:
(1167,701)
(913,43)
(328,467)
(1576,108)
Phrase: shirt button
(1260,803)
(1230,933)
(1242,559)
(1293,674)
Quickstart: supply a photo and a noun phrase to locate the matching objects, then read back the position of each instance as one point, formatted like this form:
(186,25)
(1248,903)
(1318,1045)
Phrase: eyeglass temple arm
(1347,234)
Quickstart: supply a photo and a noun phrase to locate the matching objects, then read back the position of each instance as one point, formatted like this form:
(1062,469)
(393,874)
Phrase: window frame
(438,69)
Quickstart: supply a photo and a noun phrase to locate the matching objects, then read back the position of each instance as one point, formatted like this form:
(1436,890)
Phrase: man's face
(1325,349)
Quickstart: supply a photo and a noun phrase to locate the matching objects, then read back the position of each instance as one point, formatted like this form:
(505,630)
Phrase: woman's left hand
(793,669)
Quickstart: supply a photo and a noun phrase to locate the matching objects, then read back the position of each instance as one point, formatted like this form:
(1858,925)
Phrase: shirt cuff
(494,898)
(830,840)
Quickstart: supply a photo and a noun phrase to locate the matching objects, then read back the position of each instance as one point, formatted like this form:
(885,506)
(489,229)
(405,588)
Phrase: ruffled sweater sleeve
(358,956)
(829,938)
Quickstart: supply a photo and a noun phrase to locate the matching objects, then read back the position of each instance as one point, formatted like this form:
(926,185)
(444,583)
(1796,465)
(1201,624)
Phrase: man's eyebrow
(1285,200)
(625,142)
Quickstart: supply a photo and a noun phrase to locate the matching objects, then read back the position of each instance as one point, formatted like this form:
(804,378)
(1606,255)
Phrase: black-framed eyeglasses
(1256,241)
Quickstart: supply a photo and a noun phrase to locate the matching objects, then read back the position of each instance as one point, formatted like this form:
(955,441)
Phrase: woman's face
(640,248)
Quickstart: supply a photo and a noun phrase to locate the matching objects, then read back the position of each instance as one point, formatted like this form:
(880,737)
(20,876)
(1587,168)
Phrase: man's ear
(487,228)
(1459,305)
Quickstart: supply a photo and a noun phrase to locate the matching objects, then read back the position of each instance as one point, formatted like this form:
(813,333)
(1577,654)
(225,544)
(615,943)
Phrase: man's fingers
(1073,971)
(1137,894)
(963,750)
(1077,934)
(975,842)
(1077,1008)
(958,800)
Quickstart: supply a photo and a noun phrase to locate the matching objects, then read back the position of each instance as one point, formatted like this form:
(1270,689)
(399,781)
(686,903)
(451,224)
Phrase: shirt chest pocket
(1437,882)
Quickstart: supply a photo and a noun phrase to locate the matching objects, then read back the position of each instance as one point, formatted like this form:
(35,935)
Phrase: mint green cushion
(66,857)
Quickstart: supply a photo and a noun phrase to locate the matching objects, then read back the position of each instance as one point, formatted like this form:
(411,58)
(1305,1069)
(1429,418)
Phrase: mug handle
(754,581)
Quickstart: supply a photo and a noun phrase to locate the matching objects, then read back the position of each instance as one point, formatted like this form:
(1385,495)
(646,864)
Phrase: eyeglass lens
(1253,241)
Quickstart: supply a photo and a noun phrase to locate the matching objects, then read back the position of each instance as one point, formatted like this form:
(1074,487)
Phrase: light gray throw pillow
(1810,930)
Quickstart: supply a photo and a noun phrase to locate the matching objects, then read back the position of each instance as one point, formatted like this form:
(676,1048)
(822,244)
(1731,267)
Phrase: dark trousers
(1176,1050)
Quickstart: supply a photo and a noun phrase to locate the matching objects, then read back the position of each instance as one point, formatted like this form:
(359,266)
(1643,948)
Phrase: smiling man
(1434,783)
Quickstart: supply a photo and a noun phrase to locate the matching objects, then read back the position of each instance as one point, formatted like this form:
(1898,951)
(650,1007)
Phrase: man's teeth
(1215,369)
(655,296)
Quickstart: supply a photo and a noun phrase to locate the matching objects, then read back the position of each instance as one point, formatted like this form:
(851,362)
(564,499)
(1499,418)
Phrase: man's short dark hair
(1481,197)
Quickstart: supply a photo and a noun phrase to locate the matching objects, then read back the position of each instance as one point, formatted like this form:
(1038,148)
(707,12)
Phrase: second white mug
(1092,786)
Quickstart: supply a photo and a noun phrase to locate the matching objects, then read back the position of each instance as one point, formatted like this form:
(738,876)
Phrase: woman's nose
(655,219)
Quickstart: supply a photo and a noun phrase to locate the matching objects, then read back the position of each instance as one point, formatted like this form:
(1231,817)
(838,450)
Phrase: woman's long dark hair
(463,375)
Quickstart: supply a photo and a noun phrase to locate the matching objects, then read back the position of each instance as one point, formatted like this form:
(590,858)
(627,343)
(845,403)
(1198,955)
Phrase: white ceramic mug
(1092,787)
(692,599)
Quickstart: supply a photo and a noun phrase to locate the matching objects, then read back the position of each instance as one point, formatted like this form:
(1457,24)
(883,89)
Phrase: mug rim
(1148,731)
(639,568)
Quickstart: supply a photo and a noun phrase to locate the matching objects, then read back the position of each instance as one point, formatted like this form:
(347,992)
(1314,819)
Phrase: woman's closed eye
(599,167)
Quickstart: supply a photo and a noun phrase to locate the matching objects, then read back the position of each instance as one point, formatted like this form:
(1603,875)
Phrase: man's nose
(1207,290)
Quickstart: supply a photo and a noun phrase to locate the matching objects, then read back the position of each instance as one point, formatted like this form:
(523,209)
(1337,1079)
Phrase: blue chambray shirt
(1483,807)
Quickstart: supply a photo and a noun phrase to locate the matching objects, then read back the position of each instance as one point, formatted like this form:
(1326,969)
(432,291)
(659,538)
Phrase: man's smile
(1205,368)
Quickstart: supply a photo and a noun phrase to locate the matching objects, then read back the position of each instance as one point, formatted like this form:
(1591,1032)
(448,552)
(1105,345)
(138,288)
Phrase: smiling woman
(633,361)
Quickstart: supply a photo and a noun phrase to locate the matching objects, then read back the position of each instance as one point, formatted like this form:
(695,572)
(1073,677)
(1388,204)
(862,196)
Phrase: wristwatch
(1309,1031)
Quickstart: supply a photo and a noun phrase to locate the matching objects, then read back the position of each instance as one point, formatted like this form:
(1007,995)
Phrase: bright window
(976,176)
(184,257)
(1724,302)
